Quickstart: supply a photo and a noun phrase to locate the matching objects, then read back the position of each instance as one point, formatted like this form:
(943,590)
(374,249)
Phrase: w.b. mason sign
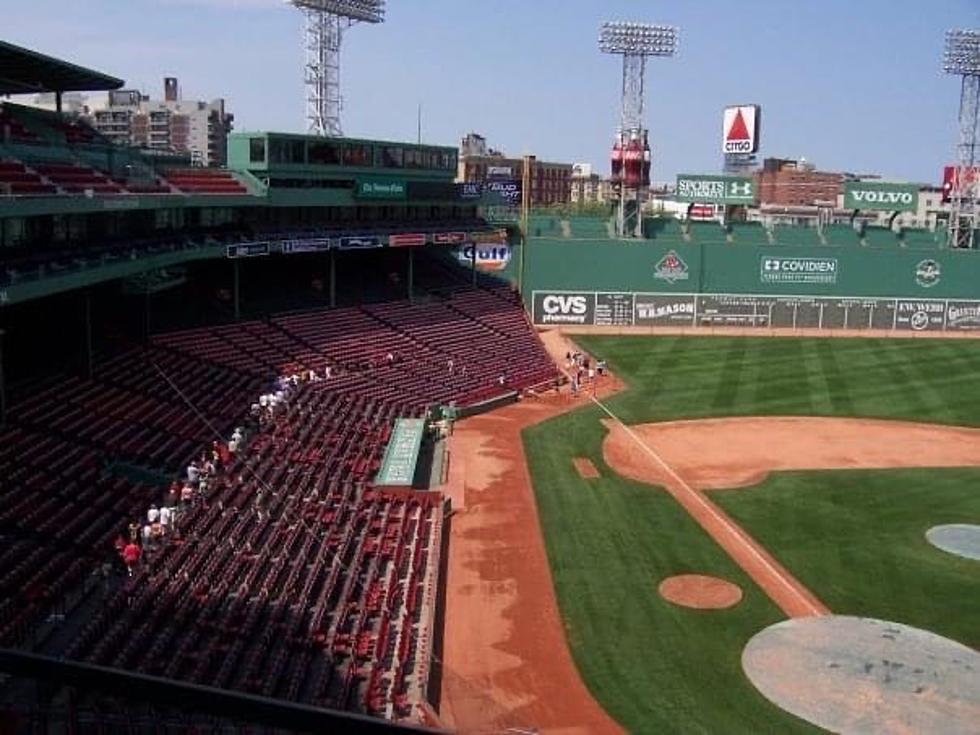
(881,196)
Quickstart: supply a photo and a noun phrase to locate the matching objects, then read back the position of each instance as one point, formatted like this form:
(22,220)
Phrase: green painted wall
(581,265)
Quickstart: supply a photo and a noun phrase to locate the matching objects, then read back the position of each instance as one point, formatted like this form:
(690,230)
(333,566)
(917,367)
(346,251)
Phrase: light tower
(631,149)
(326,21)
(962,58)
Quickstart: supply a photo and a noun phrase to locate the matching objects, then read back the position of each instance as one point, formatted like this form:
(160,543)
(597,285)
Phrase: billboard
(247,250)
(568,307)
(881,196)
(572,308)
(971,175)
(387,189)
(709,189)
(410,240)
(448,238)
(488,257)
(798,270)
(291,247)
(359,243)
(740,131)
(509,190)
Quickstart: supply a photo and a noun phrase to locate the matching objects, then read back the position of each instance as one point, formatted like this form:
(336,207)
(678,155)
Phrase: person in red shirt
(131,556)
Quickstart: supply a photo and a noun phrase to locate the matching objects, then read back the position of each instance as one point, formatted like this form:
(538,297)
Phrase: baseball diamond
(310,432)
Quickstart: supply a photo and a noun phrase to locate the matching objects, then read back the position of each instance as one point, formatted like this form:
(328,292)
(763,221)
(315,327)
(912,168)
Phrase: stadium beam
(325,23)
(635,42)
(962,58)
(3,386)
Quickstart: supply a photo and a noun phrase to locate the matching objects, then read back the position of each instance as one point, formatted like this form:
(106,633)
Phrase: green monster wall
(776,277)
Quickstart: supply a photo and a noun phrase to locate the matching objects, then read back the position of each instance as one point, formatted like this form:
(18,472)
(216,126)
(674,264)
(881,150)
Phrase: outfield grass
(854,537)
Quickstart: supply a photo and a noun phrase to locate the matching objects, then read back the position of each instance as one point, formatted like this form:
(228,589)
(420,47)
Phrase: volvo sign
(881,196)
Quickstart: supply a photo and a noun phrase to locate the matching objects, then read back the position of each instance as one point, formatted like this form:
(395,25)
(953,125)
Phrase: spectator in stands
(449,364)
(153,514)
(131,556)
(134,531)
(327,371)
(186,494)
(147,535)
(166,514)
(173,494)
(193,473)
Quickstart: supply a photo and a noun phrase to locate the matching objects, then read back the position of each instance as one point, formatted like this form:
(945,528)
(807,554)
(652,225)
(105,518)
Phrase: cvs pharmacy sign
(563,308)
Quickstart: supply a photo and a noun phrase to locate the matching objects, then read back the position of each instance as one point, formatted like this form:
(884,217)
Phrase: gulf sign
(488,257)
(740,129)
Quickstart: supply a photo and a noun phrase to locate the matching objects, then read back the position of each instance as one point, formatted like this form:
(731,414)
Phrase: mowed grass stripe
(609,543)
(855,538)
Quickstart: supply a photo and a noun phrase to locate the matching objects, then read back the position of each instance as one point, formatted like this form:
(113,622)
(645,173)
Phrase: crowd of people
(161,523)
(583,371)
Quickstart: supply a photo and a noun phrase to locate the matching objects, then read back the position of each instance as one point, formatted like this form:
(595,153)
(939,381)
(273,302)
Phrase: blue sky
(850,84)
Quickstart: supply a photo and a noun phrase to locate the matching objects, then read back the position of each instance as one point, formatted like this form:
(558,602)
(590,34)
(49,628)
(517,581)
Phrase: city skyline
(857,90)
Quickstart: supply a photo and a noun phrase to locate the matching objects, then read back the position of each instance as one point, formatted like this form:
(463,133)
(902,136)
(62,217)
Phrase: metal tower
(326,21)
(634,42)
(962,58)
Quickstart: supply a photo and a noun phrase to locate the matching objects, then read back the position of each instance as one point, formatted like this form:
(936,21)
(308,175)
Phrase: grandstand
(151,314)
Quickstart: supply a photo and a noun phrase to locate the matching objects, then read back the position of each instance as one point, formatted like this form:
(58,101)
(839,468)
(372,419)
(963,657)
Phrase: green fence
(595,282)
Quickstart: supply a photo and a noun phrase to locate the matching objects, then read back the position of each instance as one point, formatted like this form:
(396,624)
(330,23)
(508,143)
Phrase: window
(413,158)
(256,150)
(324,153)
(392,157)
(297,151)
(357,154)
(277,151)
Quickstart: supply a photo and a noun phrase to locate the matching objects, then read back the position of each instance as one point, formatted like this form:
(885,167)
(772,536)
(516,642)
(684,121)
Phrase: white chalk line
(726,523)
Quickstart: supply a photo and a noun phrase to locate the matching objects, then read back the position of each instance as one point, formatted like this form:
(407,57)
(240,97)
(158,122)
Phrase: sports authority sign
(715,189)
(570,307)
(740,132)
(881,196)
(798,270)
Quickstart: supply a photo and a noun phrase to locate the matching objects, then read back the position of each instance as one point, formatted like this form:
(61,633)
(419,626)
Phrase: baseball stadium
(324,439)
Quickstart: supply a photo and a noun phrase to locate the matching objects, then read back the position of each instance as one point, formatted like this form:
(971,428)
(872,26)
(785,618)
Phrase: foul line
(726,522)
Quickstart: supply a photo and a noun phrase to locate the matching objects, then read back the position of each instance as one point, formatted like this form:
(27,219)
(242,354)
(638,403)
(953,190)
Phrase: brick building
(788,183)
(551,183)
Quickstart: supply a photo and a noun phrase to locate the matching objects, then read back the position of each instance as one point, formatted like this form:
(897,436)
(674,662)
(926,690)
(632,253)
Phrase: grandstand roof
(23,71)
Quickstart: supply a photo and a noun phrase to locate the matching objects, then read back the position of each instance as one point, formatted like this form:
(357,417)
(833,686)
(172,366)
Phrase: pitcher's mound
(700,592)
(859,675)
(585,468)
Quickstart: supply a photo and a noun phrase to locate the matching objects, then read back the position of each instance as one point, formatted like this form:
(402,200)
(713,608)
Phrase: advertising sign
(290,247)
(509,190)
(951,180)
(715,189)
(566,308)
(662,310)
(881,196)
(500,172)
(247,250)
(448,238)
(920,316)
(387,189)
(470,190)
(412,240)
(488,257)
(798,270)
(962,315)
(740,130)
(359,243)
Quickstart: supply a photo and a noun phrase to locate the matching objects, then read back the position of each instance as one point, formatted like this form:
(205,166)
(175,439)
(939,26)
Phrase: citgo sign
(881,196)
